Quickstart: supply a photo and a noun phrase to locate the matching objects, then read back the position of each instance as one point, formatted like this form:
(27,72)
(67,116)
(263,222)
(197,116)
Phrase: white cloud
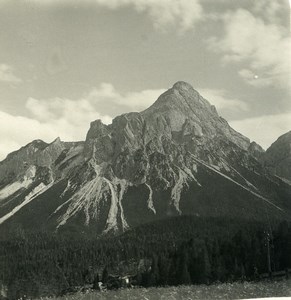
(183,14)
(76,113)
(271,10)
(260,48)
(225,104)
(133,101)
(17,131)
(7,74)
(264,130)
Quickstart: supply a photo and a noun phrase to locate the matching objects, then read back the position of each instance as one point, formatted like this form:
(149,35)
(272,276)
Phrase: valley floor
(245,290)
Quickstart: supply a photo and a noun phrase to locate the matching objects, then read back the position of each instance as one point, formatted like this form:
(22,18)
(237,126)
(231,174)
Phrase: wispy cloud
(226,105)
(7,74)
(131,101)
(260,48)
(271,10)
(181,14)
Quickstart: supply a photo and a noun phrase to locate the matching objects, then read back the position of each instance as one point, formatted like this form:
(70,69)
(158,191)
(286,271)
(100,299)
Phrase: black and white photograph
(145,149)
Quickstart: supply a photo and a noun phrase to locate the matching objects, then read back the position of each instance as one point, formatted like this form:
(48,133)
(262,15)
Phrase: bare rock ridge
(176,157)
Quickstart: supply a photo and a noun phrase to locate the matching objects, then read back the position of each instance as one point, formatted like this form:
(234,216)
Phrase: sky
(65,63)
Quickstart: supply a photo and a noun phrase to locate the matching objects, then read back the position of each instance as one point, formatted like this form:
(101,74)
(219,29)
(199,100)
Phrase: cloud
(271,10)
(132,101)
(181,14)
(56,110)
(264,130)
(7,74)
(82,111)
(16,131)
(260,48)
(225,104)
(49,118)
(254,79)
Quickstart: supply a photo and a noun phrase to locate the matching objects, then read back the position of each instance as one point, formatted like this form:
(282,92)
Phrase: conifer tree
(96,282)
(183,272)
(105,275)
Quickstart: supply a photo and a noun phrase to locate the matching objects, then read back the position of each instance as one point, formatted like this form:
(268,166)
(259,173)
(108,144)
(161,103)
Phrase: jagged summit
(56,141)
(182,85)
(181,97)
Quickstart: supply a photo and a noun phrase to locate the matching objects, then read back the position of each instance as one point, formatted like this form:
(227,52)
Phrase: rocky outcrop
(256,150)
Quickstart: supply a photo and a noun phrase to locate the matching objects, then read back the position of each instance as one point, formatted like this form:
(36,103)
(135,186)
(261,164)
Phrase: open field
(243,290)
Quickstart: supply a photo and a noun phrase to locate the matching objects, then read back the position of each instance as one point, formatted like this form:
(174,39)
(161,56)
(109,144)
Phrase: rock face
(256,150)
(278,156)
(176,157)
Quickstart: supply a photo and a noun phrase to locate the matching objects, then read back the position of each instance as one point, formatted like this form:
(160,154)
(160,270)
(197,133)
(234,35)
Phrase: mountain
(278,156)
(178,157)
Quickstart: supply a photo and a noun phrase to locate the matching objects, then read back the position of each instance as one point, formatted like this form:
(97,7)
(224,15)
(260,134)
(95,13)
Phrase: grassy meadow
(238,290)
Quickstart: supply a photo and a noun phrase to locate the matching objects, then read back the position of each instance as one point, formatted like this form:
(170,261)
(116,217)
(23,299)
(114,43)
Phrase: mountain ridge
(176,157)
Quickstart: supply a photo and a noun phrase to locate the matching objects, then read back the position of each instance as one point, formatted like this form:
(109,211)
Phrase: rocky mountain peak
(97,129)
(182,105)
(182,85)
(97,140)
(57,141)
(181,97)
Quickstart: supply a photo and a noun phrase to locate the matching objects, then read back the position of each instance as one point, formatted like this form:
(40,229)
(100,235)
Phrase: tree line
(180,250)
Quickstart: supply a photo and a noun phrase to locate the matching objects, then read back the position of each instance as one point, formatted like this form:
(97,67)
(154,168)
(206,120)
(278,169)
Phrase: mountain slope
(278,156)
(177,157)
